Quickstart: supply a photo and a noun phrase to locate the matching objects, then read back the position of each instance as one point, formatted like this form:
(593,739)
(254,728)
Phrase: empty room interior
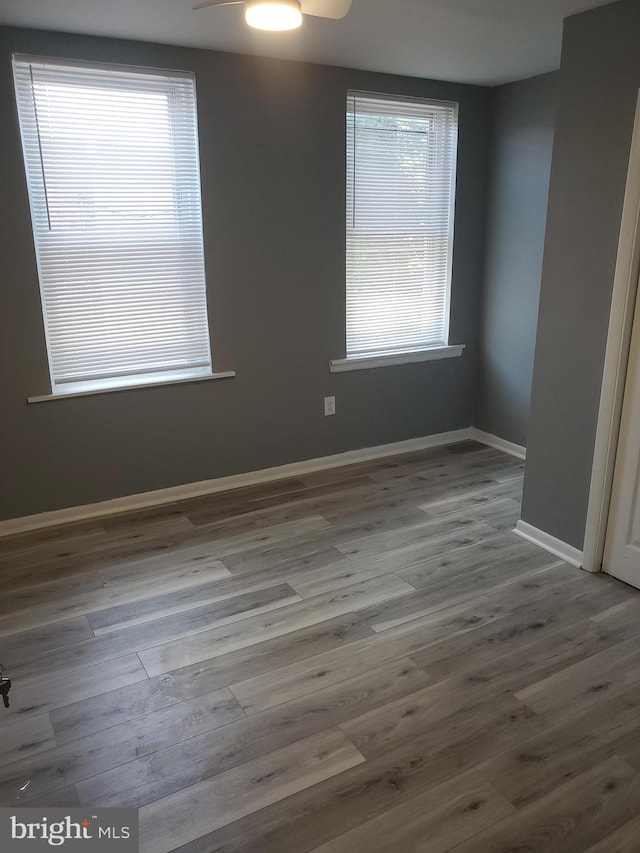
(320,426)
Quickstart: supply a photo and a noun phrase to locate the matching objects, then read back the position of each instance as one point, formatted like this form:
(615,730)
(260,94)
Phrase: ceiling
(472,41)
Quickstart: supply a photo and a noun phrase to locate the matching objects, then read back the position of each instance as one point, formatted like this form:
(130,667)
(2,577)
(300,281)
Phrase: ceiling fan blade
(206,3)
(326,8)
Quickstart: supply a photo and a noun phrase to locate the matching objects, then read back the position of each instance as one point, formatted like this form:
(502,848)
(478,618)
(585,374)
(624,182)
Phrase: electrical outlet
(329,406)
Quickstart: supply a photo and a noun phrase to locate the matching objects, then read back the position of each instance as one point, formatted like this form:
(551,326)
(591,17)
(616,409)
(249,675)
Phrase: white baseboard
(554,546)
(498,443)
(222,484)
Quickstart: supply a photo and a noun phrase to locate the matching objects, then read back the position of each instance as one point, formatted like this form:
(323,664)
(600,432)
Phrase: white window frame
(440,349)
(184,361)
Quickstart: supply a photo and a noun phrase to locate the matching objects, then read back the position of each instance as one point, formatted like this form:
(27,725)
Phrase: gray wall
(522,138)
(597,91)
(272,145)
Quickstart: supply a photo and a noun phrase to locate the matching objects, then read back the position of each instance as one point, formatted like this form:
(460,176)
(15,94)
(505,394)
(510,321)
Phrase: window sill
(153,383)
(342,365)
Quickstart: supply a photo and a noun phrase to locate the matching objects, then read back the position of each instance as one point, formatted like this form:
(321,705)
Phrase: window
(401,164)
(111,156)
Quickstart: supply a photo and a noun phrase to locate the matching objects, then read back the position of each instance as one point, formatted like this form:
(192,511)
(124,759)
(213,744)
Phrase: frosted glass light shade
(274,15)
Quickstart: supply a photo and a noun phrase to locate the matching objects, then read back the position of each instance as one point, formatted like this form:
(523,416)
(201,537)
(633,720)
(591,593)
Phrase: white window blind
(111,156)
(401,166)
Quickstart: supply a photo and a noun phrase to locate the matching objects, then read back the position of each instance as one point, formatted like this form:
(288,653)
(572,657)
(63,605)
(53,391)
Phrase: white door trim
(625,287)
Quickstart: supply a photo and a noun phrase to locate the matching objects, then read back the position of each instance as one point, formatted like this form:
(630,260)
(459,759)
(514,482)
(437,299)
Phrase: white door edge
(616,361)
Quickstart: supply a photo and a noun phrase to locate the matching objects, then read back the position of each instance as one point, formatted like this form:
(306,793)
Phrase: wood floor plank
(61,798)
(496,549)
(283,560)
(446,468)
(490,512)
(629,745)
(245,494)
(49,691)
(586,682)
(226,509)
(211,549)
(373,522)
(338,474)
(569,820)
(364,658)
(624,614)
(81,759)
(24,738)
(25,645)
(277,686)
(164,564)
(322,501)
(174,768)
(501,514)
(506,521)
(435,467)
(383,727)
(219,641)
(217,616)
(215,802)
(44,606)
(51,542)
(34,539)
(212,510)
(441,485)
(438,507)
(310,818)
(344,573)
(22,597)
(102,550)
(432,822)
(157,606)
(523,624)
(120,704)
(205,616)
(441,534)
(137,613)
(406,562)
(563,751)
(425,549)
(446,592)
(623,840)
(394,512)
(495,487)
(265,537)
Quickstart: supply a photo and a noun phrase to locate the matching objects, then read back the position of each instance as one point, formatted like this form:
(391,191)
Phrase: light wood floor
(357,661)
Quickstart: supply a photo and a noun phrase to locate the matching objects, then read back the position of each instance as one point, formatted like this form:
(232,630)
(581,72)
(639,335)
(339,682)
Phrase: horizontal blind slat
(112,164)
(401,163)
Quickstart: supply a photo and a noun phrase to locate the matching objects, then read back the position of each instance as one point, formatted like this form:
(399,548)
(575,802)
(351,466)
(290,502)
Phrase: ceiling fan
(282,14)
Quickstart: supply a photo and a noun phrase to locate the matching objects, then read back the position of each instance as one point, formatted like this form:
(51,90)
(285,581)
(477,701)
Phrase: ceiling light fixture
(274,15)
